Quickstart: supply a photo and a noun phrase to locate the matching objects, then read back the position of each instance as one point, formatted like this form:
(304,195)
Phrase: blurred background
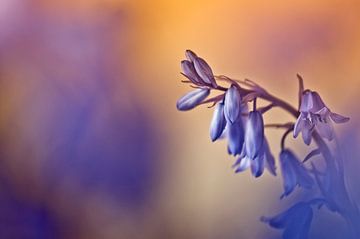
(91,144)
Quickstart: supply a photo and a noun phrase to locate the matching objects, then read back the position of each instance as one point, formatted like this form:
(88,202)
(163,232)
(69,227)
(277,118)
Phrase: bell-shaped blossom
(192,99)
(257,166)
(188,70)
(293,172)
(315,115)
(235,135)
(232,108)
(204,71)
(190,55)
(197,70)
(295,221)
(254,134)
(218,122)
(264,159)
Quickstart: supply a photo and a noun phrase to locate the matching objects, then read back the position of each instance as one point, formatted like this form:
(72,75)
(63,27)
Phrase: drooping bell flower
(192,99)
(204,71)
(188,70)
(190,55)
(218,122)
(235,136)
(295,221)
(232,107)
(257,166)
(263,160)
(315,115)
(254,134)
(293,172)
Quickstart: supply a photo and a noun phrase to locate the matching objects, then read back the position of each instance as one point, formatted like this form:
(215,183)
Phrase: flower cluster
(244,130)
(200,74)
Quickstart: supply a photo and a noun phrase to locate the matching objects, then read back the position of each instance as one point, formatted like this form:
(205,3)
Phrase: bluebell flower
(293,172)
(192,99)
(190,55)
(295,221)
(257,166)
(197,70)
(190,72)
(315,115)
(242,163)
(204,71)
(235,135)
(254,134)
(232,108)
(218,122)
(264,159)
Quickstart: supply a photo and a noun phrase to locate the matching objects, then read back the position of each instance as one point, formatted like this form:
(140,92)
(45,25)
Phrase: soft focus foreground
(91,143)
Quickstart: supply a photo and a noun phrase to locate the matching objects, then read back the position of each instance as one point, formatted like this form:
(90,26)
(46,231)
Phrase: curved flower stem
(280,103)
(278,126)
(283,138)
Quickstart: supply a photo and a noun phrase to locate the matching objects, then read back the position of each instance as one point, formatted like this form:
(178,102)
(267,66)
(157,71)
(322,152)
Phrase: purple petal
(257,166)
(306,101)
(318,103)
(278,221)
(293,172)
(298,225)
(325,130)
(190,55)
(235,137)
(225,132)
(287,171)
(204,71)
(192,99)
(283,219)
(304,179)
(339,118)
(323,113)
(242,164)
(232,104)
(189,71)
(302,174)
(306,132)
(254,136)
(299,124)
(243,154)
(218,122)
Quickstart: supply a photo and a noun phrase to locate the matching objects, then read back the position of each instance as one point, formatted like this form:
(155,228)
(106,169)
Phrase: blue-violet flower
(232,108)
(295,221)
(218,122)
(314,114)
(293,172)
(254,134)
(192,99)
